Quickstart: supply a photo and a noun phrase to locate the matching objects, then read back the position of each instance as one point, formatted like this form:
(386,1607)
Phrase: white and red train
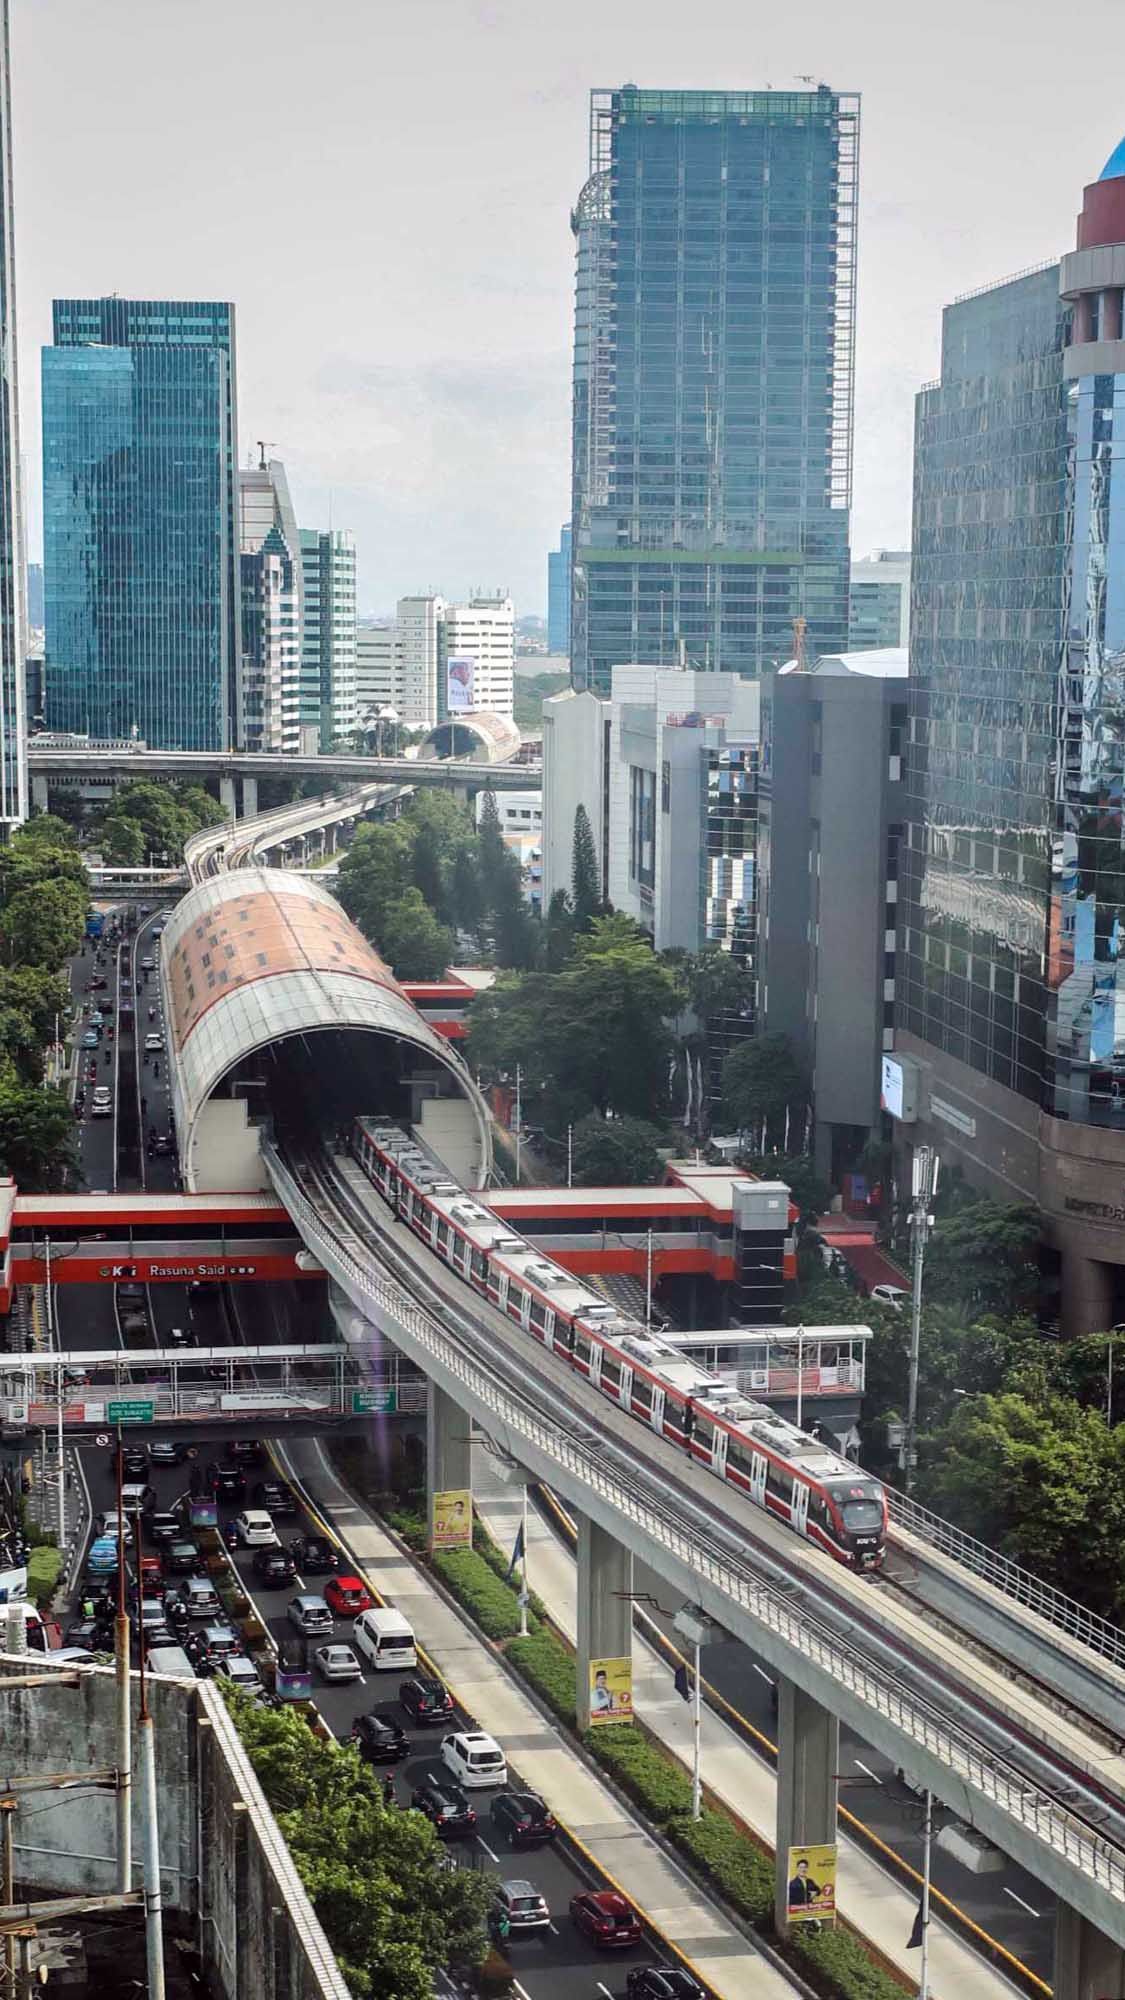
(794,1477)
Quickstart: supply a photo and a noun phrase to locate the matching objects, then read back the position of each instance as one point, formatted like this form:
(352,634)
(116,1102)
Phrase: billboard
(898,1091)
(451,1519)
(460,683)
(811,1896)
(611,1691)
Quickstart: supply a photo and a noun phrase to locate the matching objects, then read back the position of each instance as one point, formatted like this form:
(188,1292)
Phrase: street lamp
(696,1627)
(924,1188)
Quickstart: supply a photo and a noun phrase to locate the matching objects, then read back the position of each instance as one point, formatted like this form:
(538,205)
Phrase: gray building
(328,638)
(13,610)
(268,715)
(879,601)
(831,811)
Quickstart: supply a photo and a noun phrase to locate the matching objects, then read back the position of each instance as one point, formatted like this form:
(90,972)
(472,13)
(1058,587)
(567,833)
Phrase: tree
(585,875)
(717,984)
(374,873)
(40,995)
(515,937)
(761,1080)
(36,1133)
(46,830)
(558,932)
(414,943)
(44,925)
(617,1152)
(493,855)
(466,900)
(984,1253)
(439,829)
(123,841)
(376,1877)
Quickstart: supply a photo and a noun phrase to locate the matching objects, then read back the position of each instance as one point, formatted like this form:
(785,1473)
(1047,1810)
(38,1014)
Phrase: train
(793,1477)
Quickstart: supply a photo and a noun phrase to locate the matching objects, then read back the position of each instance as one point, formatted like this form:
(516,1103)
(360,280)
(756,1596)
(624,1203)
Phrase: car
(379,1737)
(446,1808)
(217,1641)
(276,1496)
(101,1557)
(347,1596)
(101,1108)
(91,1634)
(179,1336)
(107,1526)
(605,1918)
(474,1758)
(241,1672)
(101,1093)
(150,1570)
(425,1700)
(199,1598)
(152,1611)
(134,1462)
(309,1613)
(98,983)
(154,1044)
(274,1565)
(148,965)
(166,1451)
(252,1529)
(338,1663)
(524,1817)
(161,1146)
(247,1451)
(72,1656)
(138,1497)
(91,1038)
(161,1528)
(895,1296)
(519,1907)
(181,1555)
(227,1482)
(661,1982)
(314,1554)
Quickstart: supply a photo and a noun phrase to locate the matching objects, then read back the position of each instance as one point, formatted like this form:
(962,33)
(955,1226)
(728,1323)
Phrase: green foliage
(529,693)
(43,924)
(36,1134)
(646,1774)
(42,851)
(44,1565)
(835,1961)
(617,1152)
(492,1602)
(46,830)
(123,841)
(729,1859)
(811,1194)
(414,942)
(982,1254)
(585,874)
(761,1081)
(148,821)
(717,984)
(558,932)
(545,1662)
(393,1914)
(374,873)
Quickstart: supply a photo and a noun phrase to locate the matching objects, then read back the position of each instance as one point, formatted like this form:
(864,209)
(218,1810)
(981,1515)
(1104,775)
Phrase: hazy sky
(384,190)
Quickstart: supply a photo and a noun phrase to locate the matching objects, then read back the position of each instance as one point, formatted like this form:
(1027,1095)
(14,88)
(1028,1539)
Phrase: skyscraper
(268,708)
(558,594)
(140,520)
(1011,1012)
(713,369)
(328,659)
(879,601)
(13,618)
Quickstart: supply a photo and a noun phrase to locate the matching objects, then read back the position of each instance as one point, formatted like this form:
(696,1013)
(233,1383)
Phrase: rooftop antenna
(264,445)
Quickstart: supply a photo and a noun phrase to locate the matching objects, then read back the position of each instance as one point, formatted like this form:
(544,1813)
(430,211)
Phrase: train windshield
(863,1515)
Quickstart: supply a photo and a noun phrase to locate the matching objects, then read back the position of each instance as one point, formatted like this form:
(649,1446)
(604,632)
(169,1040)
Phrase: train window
(480,1266)
(597,1361)
(549,1326)
(538,1315)
(503,1280)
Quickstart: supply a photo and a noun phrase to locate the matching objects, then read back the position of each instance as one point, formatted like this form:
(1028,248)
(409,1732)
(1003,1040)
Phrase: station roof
(496,736)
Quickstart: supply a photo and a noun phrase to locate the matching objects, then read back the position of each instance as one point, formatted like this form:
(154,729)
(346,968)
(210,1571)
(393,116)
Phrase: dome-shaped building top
(1114,168)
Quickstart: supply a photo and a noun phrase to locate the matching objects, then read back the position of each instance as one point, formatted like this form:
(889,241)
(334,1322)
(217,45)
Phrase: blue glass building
(140,521)
(558,595)
(713,378)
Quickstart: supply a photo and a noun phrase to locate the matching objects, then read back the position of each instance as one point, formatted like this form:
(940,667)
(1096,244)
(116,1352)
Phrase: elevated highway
(47,763)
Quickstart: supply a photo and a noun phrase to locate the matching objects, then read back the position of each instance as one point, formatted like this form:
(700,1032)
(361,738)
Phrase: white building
(575,762)
(378,671)
(521,826)
(407,665)
(418,626)
(482,635)
(328,645)
(268,706)
(879,601)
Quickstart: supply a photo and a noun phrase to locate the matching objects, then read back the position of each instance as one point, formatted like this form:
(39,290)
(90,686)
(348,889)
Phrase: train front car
(859,1508)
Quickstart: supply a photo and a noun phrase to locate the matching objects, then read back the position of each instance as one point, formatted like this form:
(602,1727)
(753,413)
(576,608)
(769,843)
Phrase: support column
(449,1470)
(227,797)
(1088,1291)
(1088,1965)
(249,798)
(808,1749)
(605,1608)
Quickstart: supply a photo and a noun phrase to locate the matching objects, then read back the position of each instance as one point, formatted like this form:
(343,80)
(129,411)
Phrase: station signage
(96,1268)
(130,1410)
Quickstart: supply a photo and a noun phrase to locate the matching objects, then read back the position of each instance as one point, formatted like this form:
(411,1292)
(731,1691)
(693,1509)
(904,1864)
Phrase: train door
(656,1414)
(719,1445)
(597,1355)
(759,1473)
(549,1328)
(799,1506)
(625,1387)
(503,1281)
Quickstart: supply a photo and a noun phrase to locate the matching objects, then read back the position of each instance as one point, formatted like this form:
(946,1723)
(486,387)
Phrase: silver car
(522,1904)
(310,1613)
(338,1663)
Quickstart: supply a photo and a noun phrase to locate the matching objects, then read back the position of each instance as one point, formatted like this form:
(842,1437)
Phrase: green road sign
(373,1402)
(132,1412)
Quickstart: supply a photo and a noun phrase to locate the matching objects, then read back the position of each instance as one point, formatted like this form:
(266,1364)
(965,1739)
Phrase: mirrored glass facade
(713,365)
(141,521)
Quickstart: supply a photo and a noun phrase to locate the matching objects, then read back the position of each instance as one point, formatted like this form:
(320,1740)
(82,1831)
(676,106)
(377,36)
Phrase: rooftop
(882,663)
(1114,167)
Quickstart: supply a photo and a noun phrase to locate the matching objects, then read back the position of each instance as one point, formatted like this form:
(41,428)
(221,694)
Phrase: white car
(253,1528)
(102,1108)
(153,1044)
(241,1671)
(895,1296)
(474,1759)
(107,1524)
(310,1613)
(338,1663)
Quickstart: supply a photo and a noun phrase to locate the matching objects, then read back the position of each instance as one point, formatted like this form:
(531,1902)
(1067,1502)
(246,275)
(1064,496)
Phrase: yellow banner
(451,1519)
(812,1884)
(611,1691)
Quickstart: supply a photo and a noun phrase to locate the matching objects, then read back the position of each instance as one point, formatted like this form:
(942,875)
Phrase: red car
(348,1596)
(605,1918)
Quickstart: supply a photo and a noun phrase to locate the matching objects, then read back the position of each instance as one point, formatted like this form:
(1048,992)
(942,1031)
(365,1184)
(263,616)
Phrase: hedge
(731,1861)
(43,1567)
(836,1961)
(550,1668)
(492,1603)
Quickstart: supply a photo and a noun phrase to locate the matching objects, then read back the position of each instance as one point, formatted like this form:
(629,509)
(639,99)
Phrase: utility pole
(154,1936)
(924,1188)
(59,1408)
(648,1279)
(570,1156)
(523,1561)
(124,1716)
(924,1968)
(8,1809)
(519,1119)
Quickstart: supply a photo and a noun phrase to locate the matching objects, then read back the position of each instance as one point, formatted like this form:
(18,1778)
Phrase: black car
(227,1482)
(134,1462)
(162,1528)
(661,1982)
(166,1451)
(524,1818)
(275,1496)
(446,1808)
(314,1554)
(96,1633)
(273,1565)
(161,1146)
(247,1451)
(379,1737)
(181,1558)
(425,1700)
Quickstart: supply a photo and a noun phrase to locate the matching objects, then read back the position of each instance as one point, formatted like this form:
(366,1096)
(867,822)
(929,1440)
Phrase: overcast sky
(384,190)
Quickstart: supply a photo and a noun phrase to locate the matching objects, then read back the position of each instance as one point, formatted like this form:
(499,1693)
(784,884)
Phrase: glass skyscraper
(140,521)
(558,595)
(13,615)
(713,378)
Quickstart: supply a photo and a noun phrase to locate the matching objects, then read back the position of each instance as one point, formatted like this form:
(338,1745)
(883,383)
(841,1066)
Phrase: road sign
(132,1412)
(373,1402)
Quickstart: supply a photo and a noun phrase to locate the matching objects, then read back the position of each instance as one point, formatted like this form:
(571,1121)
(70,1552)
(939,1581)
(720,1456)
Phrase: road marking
(1020,1901)
(488,1850)
(768,1678)
(554,1929)
(605,1990)
(866,1769)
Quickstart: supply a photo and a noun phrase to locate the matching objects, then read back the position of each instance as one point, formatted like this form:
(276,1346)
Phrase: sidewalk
(722,1954)
(878,1907)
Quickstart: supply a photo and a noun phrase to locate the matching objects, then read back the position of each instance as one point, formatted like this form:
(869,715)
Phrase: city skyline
(413,418)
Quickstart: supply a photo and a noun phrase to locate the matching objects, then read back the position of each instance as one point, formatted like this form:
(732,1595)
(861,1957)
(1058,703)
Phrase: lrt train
(793,1477)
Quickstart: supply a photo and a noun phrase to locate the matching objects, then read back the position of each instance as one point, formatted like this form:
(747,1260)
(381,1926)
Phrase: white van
(384,1638)
(170,1660)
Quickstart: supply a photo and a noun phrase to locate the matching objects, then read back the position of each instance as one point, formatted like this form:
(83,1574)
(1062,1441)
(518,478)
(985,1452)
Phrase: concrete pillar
(38,792)
(808,1752)
(227,797)
(249,798)
(1088,1291)
(1088,1965)
(248,1947)
(449,1464)
(605,1607)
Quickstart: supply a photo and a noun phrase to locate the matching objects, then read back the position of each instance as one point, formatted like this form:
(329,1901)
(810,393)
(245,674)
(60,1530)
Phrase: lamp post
(696,1627)
(924,1188)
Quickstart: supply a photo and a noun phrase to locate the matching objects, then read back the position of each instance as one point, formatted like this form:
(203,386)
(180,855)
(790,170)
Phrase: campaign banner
(611,1691)
(811,1895)
(451,1519)
(460,683)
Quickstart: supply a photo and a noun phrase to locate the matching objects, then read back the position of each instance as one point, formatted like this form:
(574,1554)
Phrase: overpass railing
(633,1500)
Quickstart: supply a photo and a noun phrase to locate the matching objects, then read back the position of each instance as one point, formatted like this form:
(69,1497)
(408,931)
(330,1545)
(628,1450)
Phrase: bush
(837,1962)
(545,1662)
(43,1567)
(662,1789)
(731,1861)
(492,1603)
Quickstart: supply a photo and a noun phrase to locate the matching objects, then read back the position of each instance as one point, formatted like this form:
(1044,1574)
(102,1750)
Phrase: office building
(140,521)
(378,672)
(1010,1035)
(713,371)
(13,611)
(830,827)
(35,596)
(558,595)
(268,711)
(576,750)
(879,601)
(477,657)
(328,643)
(419,621)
